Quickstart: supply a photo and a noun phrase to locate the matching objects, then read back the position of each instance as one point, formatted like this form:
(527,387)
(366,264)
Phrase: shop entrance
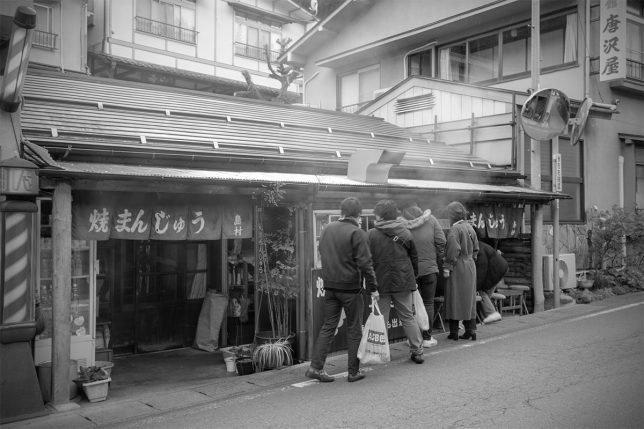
(150,292)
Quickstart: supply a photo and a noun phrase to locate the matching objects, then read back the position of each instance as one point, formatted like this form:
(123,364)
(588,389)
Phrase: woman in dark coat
(460,270)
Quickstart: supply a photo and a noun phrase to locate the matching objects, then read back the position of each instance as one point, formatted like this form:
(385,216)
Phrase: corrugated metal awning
(100,171)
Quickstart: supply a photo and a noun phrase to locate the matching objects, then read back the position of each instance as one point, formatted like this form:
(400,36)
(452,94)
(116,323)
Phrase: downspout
(620,175)
(62,41)
(107,7)
(587,49)
(302,264)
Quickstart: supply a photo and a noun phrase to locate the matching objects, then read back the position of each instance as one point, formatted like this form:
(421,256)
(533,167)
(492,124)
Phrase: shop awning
(101,171)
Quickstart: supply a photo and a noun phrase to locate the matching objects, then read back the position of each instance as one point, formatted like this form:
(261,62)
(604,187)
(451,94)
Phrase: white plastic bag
(420,313)
(374,345)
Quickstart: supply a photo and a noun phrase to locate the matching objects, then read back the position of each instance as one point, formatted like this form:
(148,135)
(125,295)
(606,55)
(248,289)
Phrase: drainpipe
(62,41)
(302,264)
(620,175)
(587,49)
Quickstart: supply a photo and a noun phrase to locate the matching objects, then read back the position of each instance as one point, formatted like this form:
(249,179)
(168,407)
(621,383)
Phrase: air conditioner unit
(567,271)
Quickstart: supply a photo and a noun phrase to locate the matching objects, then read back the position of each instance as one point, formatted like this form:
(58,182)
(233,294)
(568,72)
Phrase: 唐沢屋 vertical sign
(612,40)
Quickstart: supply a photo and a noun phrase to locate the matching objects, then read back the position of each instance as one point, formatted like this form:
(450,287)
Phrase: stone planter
(95,391)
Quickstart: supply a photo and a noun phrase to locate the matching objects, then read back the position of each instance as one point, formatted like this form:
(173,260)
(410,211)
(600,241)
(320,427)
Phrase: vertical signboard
(556,173)
(612,40)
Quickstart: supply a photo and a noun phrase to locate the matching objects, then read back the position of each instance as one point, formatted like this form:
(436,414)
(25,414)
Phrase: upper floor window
(507,53)
(251,35)
(357,88)
(44,36)
(173,19)
(421,63)
(639,177)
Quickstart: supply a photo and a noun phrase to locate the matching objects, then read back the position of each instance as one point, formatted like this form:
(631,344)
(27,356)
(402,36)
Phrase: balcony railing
(352,108)
(168,31)
(255,52)
(44,39)
(634,69)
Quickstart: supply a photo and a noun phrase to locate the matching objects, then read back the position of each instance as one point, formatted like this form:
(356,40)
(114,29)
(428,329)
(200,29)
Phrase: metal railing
(43,39)
(255,52)
(352,108)
(634,69)
(168,31)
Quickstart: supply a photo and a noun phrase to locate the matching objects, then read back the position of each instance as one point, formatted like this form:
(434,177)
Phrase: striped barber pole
(16,268)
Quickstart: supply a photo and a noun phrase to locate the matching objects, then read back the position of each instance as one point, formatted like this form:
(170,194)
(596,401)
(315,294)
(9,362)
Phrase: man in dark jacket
(345,257)
(491,267)
(395,260)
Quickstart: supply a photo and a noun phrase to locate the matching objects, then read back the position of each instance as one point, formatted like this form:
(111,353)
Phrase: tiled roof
(103,117)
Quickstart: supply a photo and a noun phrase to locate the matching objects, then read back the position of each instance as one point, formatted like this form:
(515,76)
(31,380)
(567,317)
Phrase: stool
(524,289)
(497,300)
(439,301)
(513,300)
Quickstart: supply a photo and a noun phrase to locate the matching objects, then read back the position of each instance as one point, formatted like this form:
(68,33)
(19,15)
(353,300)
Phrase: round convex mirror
(545,114)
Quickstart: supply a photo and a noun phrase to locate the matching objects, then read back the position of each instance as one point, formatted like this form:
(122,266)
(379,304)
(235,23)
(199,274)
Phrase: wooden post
(62,257)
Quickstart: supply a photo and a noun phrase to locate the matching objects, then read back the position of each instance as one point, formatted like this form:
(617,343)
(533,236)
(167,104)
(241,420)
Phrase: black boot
(470,330)
(453,330)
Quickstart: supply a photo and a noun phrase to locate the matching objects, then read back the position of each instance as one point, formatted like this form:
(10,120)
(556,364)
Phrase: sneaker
(355,377)
(417,358)
(494,317)
(319,374)
(429,343)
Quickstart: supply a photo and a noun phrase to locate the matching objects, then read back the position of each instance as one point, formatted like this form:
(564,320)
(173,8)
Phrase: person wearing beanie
(395,261)
(430,245)
(459,269)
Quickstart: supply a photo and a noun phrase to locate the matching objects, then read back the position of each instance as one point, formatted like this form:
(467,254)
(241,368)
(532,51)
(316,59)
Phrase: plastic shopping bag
(374,345)
(420,313)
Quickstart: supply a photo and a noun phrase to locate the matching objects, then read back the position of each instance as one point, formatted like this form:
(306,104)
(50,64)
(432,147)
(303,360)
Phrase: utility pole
(536,222)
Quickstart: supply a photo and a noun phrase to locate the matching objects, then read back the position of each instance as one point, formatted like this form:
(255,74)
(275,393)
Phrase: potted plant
(273,355)
(94,381)
(277,278)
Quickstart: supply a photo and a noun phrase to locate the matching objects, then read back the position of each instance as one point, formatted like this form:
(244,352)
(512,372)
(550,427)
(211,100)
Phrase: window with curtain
(358,88)
(452,62)
(251,35)
(479,59)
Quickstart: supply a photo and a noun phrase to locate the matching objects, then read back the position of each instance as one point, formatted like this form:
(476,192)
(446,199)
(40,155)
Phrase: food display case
(82,304)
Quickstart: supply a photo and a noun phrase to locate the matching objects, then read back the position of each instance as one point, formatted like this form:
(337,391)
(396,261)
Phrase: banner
(496,221)
(142,217)
(612,40)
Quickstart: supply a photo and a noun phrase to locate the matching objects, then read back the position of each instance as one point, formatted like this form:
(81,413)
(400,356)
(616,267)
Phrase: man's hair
(456,211)
(386,209)
(350,207)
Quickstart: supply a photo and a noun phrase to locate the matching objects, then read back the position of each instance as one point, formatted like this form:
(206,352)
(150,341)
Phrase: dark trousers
(334,302)
(427,288)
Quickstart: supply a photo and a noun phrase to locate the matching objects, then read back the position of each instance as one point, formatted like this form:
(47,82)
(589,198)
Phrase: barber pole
(16,264)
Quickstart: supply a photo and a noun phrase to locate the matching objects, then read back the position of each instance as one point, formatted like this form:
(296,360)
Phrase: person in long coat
(459,269)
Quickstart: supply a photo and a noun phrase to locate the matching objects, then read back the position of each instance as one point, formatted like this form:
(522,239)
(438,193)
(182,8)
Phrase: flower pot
(95,391)
(585,284)
(244,367)
(230,363)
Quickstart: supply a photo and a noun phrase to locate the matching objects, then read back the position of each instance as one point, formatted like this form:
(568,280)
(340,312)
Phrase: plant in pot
(276,282)
(243,360)
(94,381)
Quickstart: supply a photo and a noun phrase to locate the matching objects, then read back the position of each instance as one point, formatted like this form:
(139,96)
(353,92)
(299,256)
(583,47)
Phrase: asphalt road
(587,372)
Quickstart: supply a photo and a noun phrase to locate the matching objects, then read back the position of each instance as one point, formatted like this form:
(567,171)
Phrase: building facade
(488,44)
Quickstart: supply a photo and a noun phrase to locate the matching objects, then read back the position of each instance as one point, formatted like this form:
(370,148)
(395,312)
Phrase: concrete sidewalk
(115,411)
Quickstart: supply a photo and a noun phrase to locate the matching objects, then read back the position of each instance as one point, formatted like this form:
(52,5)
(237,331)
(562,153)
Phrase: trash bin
(44,379)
